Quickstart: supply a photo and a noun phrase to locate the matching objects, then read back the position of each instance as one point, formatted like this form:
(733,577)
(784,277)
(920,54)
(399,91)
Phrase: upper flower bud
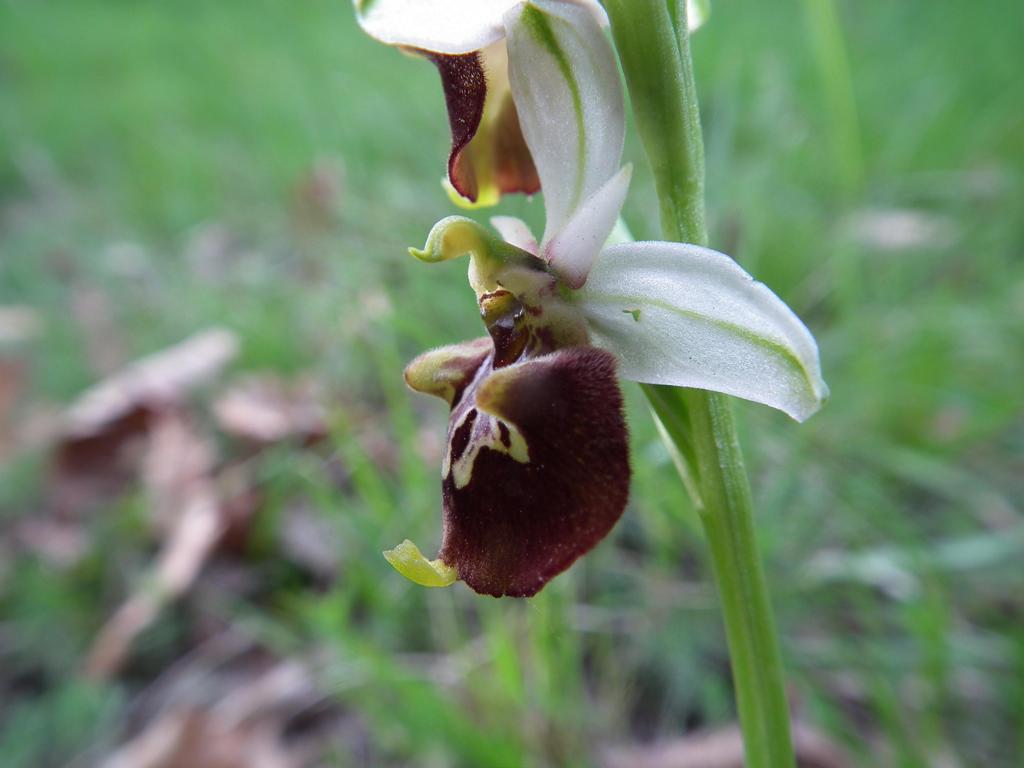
(465,39)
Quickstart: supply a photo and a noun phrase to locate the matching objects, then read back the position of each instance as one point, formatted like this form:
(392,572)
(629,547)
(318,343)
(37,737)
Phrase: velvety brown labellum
(516,524)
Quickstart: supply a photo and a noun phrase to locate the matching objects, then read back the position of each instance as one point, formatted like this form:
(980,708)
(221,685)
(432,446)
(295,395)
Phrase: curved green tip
(407,559)
(455,236)
(423,255)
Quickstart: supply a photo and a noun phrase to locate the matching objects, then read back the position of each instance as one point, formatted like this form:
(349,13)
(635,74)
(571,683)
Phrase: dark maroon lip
(546,446)
(516,525)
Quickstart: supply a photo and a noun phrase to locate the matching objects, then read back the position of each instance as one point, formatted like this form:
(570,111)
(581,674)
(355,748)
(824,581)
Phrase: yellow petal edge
(487,197)
(407,559)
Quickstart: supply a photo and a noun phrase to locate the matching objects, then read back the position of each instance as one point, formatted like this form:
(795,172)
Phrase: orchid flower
(536,470)
(466,41)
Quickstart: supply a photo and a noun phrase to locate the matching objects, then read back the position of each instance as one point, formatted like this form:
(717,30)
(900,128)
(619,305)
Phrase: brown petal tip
(465,91)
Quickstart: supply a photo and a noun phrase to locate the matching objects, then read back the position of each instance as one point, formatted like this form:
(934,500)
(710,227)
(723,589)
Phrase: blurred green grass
(891,523)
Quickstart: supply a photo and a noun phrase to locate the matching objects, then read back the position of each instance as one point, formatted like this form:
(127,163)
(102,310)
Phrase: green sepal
(407,559)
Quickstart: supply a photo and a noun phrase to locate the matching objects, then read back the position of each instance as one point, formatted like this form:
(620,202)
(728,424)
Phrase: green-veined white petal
(566,87)
(572,250)
(691,317)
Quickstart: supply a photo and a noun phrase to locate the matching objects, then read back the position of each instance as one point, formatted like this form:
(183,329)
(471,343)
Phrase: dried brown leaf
(723,748)
(226,706)
(103,432)
(197,739)
(176,466)
(152,383)
(265,409)
(183,496)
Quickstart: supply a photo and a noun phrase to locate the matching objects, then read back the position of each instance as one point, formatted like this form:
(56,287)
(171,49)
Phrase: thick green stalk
(650,36)
(653,45)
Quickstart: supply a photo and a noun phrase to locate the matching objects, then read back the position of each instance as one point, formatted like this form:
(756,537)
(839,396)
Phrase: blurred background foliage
(261,167)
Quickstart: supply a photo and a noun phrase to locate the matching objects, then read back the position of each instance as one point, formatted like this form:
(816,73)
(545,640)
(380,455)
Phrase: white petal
(441,26)
(571,252)
(689,316)
(566,86)
(516,232)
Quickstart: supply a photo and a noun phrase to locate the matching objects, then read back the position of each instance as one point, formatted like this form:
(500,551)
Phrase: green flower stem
(653,45)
